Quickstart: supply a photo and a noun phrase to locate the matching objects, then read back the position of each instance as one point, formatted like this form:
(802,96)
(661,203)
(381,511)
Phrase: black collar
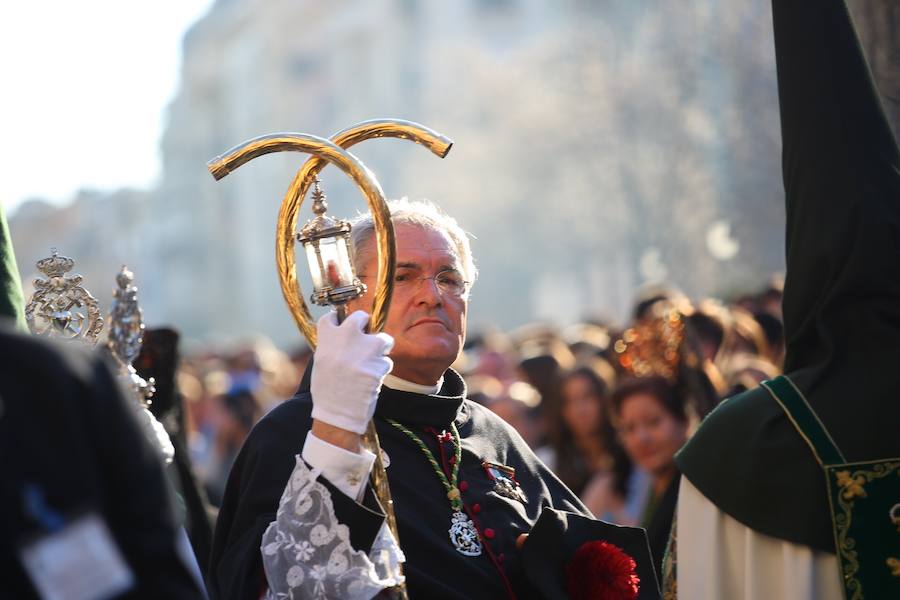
(437,410)
(410,408)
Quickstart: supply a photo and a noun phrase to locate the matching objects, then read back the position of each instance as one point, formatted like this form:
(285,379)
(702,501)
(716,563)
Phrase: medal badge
(505,483)
(463,535)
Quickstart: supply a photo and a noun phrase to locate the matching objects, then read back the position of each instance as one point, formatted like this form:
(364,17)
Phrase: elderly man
(465,486)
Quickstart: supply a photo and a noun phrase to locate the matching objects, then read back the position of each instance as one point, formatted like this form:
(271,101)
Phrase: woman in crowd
(586,453)
(652,423)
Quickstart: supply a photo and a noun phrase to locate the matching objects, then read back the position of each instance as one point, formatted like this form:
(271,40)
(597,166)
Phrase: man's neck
(403,385)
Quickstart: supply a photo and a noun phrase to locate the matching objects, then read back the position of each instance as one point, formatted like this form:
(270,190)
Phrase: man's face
(428,327)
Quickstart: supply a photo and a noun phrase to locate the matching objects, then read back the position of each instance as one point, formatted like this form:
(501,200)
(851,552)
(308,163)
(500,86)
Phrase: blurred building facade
(599,146)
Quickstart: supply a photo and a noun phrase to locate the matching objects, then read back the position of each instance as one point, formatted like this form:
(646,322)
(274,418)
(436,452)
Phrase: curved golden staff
(325,151)
(285,257)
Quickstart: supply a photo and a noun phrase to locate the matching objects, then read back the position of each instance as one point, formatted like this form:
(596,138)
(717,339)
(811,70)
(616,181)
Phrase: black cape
(65,427)
(434,569)
(159,359)
(842,290)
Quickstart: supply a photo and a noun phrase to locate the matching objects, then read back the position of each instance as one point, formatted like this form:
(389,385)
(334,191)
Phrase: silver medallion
(60,306)
(464,536)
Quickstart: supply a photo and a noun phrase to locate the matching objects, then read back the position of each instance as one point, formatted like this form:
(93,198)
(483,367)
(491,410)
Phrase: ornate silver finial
(60,307)
(124,341)
(126,335)
(126,326)
(320,206)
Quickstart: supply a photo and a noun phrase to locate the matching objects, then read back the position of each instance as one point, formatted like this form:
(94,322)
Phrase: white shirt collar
(402,385)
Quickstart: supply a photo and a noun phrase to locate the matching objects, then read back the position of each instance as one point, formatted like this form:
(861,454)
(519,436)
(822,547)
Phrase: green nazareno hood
(12,304)
(841,170)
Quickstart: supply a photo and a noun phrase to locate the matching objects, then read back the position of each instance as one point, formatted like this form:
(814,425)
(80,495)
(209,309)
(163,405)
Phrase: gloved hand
(348,369)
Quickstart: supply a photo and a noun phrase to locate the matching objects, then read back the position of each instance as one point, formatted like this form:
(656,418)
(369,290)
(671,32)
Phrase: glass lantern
(326,241)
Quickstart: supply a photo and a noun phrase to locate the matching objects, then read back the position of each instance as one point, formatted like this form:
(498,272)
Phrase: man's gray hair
(423,214)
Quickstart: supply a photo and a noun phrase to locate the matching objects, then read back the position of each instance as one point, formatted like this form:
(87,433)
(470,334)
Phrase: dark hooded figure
(787,487)
(84,508)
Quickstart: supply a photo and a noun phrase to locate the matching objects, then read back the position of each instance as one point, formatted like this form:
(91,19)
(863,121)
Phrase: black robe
(434,569)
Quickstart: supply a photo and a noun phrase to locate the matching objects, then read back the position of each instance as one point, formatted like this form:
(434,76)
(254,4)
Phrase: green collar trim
(805,420)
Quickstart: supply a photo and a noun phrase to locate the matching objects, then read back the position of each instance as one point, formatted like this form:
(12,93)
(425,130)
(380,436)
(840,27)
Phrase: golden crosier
(325,151)
(285,258)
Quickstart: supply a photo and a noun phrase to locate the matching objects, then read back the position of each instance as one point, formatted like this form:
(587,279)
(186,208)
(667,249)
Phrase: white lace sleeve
(306,552)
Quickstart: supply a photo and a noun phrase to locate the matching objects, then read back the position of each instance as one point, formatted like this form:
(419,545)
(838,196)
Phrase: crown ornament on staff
(327,240)
(60,306)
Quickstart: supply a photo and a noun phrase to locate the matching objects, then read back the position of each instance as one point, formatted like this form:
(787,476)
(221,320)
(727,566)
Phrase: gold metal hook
(285,257)
(325,151)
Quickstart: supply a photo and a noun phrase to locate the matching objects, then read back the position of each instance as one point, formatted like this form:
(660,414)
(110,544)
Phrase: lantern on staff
(326,241)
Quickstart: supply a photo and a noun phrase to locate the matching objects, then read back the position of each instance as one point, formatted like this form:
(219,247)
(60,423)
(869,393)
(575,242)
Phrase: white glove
(348,369)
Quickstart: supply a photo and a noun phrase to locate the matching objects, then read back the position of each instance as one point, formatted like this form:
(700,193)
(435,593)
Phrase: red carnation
(601,571)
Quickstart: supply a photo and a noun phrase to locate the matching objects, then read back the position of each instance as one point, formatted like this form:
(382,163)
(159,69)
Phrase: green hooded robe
(841,170)
(12,303)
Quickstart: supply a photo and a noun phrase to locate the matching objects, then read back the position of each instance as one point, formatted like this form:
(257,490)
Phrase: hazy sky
(84,90)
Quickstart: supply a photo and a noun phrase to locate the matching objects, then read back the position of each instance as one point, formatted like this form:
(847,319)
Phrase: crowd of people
(627,424)
(605,408)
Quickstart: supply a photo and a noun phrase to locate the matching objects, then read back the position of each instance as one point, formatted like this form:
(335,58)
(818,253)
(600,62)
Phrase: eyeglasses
(449,282)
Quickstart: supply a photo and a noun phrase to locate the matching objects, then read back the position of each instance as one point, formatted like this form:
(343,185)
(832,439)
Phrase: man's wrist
(342,438)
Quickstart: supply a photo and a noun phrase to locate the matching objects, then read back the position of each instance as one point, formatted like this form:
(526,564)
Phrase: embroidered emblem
(464,536)
(894,565)
(851,486)
(505,483)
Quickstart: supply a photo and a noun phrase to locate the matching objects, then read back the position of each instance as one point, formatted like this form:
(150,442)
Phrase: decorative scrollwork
(126,326)
(852,484)
(124,341)
(895,516)
(126,335)
(60,307)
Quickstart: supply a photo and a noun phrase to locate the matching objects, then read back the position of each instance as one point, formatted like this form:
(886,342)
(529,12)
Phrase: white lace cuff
(345,470)
(306,552)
